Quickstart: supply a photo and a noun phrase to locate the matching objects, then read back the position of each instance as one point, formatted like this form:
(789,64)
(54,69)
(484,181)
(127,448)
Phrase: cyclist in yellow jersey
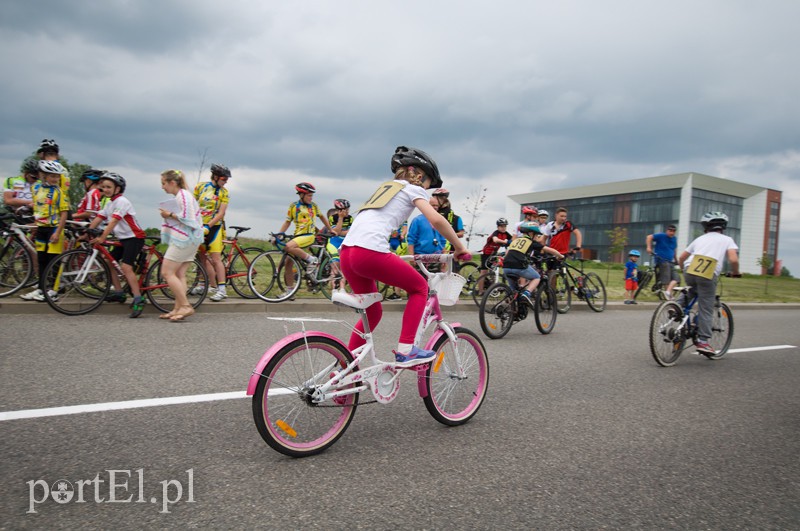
(49,151)
(302,214)
(213,200)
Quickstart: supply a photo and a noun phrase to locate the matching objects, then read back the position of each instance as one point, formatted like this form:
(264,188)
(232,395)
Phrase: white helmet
(51,166)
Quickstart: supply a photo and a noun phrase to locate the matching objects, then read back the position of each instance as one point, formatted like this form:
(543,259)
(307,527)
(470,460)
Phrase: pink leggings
(362,267)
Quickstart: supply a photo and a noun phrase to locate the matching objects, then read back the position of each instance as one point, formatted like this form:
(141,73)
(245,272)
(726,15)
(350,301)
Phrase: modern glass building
(646,206)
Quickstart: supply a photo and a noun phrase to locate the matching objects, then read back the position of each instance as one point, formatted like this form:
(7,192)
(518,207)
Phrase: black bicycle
(566,279)
(503,305)
(646,276)
(673,329)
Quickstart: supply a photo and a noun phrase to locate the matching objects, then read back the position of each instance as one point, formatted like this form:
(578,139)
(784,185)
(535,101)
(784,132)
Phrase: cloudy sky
(518,96)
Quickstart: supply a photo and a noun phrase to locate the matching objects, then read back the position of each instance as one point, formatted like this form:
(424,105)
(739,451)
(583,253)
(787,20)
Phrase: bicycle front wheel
(594,291)
(545,310)
(722,331)
(16,266)
(75,283)
(237,271)
(285,415)
(274,276)
(666,337)
(561,288)
(457,381)
(496,313)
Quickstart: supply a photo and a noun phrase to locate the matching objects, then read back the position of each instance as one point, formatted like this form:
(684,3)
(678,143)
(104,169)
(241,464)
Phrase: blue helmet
(634,253)
(530,227)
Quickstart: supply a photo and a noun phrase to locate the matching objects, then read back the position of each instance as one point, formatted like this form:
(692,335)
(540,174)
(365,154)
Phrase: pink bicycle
(306,387)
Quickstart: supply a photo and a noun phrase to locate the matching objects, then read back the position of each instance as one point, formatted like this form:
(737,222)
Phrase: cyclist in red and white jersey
(560,230)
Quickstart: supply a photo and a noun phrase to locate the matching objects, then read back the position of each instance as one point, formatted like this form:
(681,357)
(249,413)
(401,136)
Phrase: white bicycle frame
(380,377)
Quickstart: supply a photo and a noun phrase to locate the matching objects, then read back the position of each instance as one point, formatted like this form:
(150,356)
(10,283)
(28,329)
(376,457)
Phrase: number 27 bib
(702,266)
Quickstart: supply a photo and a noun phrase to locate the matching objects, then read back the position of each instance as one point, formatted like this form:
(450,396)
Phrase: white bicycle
(306,387)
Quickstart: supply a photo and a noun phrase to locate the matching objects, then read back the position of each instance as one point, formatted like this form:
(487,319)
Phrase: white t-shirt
(712,244)
(127,225)
(372,227)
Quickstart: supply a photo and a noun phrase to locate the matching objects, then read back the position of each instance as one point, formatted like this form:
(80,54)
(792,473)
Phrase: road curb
(19,307)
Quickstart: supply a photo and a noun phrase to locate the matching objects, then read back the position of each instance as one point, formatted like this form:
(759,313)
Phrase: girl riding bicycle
(366,256)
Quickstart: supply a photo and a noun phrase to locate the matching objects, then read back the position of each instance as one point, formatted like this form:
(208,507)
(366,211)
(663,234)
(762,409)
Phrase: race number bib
(520,244)
(702,266)
(382,195)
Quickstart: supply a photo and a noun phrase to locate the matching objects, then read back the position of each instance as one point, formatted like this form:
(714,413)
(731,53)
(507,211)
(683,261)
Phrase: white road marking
(191,399)
(756,349)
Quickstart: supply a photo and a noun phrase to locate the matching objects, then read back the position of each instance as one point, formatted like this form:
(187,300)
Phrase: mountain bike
(237,261)
(306,387)
(17,256)
(275,276)
(673,329)
(492,275)
(79,281)
(503,305)
(647,275)
(567,279)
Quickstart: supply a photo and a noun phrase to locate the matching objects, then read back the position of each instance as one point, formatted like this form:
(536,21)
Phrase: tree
(618,236)
(76,188)
(785,272)
(766,263)
(474,205)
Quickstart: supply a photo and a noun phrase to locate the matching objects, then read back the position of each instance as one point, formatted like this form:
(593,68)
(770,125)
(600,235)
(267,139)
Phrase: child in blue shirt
(631,277)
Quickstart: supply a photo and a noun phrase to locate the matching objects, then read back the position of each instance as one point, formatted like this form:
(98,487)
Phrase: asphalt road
(580,429)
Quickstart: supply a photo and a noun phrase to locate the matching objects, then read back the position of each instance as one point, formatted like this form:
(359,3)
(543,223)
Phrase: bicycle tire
(560,284)
(722,331)
(239,265)
(496,312)
(457,381)
(326,277)
(80,287)
(545,310)
(299,428)
(666,340)
(16,266)
(266,276)
(161,296)
(647,276)
(469,271)
(594,292)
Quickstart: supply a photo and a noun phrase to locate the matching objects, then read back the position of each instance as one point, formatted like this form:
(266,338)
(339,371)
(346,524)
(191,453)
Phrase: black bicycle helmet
(714,221)
(502,221)
(305,188)
(30,165)
(220,170)
(92,174)
(341,204)
(405,156)
(48,146)
(116,178)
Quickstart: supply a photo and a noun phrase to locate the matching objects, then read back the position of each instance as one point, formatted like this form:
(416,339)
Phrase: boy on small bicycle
(366,256)
(702,263)
(522,253)
(122,222)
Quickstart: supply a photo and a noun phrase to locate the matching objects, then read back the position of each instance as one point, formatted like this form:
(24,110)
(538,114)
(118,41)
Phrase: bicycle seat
(240,229)
(360,302)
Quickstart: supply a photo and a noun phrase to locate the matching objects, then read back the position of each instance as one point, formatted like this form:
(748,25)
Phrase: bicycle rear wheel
(237,271)
(75,283)
(457,381)
(545,310)
(496,312)
(722,331)
(561,288)
(666,338)
(594,291)
(329,276)
(283,411)
(647,276)
(16,266)
(161,296)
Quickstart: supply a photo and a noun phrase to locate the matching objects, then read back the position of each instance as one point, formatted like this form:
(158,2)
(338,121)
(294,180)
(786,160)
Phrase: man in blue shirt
(422,238)
(665,257)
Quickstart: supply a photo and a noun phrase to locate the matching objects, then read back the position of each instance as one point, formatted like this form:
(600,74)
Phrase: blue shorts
(529,273)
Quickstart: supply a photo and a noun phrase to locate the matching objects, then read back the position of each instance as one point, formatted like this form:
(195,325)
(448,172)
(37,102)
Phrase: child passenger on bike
(367,257)
(523,252)
(122,222)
